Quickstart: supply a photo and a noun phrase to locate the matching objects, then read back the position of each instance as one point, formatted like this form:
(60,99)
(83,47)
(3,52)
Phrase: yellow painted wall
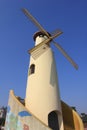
(71,119)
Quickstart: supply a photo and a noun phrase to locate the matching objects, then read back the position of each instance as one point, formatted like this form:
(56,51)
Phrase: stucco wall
(18,118)
(71,119)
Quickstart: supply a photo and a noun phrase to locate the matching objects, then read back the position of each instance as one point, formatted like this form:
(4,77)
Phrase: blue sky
(16,33)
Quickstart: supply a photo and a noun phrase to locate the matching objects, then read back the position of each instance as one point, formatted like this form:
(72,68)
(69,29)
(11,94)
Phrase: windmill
(42,108)
(42,92)
(50,38)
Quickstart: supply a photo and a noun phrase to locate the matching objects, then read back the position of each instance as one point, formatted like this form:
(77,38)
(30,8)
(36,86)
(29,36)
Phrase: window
(32,69)
(41,35)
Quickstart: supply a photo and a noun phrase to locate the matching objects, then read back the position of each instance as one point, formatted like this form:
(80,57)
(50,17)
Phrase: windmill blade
(26,12)
(46,41)
(39,49)
(55,31)
(56,34)
(66,55)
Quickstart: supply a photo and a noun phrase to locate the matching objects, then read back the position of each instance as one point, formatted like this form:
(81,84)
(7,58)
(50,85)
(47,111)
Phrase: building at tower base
(20,118)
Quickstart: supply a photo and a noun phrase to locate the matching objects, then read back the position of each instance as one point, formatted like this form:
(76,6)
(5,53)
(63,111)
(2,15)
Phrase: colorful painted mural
(12,122)
(15,123)
(24,113)
(19,118)
(26,127)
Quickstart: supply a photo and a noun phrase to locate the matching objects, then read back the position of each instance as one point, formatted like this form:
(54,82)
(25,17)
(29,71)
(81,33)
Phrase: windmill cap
(38,34)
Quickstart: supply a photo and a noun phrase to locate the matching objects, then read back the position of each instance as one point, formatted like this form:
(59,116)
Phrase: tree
(84,117)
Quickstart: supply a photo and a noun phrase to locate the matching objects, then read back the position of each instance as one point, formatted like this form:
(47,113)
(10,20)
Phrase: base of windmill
(19,118)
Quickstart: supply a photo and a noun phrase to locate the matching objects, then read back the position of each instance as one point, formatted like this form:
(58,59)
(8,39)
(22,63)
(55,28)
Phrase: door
(53,120)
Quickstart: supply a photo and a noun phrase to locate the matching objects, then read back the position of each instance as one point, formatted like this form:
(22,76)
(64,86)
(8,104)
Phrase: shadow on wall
(71,119)
(67,117)
(53,74)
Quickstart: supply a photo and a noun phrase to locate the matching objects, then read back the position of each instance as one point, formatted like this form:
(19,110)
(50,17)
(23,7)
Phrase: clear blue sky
(16,33)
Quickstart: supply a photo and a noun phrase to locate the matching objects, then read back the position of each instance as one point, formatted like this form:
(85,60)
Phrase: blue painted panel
(24,113)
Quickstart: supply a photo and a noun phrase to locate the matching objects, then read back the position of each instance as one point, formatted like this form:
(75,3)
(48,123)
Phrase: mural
(24,113)
(13,122)
(26,127)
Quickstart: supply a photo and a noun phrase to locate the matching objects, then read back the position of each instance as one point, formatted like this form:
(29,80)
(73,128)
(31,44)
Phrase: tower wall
(42,93)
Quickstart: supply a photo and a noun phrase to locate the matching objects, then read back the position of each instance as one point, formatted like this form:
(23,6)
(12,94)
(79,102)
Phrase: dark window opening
(32,69)
(53,120)
(41,35)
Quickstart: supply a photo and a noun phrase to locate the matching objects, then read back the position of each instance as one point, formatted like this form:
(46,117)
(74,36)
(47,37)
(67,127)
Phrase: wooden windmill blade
(39,49)
(56,33)
(43,46)
(50,38)
(65,55)
(26,12)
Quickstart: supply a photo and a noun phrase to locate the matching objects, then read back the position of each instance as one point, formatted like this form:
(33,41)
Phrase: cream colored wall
(42,94)
(17,122)
(40,39)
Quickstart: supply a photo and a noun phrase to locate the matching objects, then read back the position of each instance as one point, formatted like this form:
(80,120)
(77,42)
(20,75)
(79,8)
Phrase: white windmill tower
(42,92)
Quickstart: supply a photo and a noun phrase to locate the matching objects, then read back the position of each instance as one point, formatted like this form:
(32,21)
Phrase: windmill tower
(42,92)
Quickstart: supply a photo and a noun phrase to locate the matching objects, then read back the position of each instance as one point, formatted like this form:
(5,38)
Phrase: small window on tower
(41,35)
(32,69)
